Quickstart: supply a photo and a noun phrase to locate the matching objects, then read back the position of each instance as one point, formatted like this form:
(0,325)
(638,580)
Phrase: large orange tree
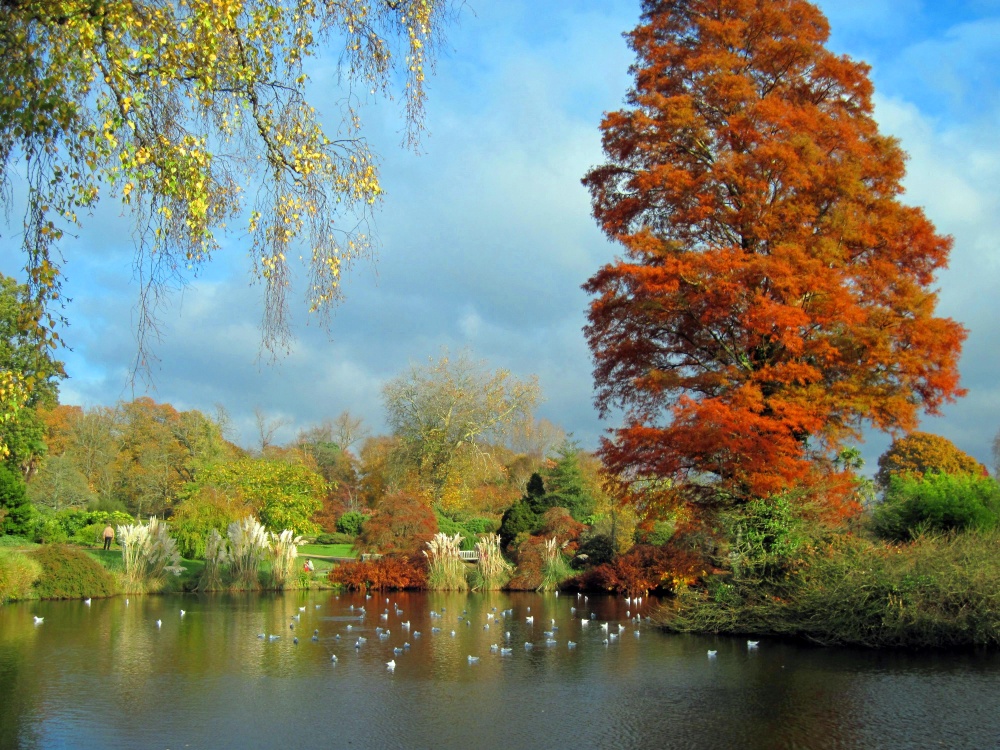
(775,295)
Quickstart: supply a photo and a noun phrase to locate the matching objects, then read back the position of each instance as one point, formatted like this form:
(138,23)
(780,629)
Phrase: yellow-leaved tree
(175,108)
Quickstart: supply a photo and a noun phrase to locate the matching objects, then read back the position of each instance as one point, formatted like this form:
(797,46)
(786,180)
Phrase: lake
(106,675)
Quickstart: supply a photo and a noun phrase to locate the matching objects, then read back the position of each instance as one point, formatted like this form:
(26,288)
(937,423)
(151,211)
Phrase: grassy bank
(937,591)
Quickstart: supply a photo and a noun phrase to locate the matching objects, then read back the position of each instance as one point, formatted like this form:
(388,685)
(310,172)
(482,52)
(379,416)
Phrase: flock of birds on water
(494,618)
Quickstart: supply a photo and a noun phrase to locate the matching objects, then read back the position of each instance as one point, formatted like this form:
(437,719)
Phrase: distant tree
(282,495)
(16,512)
(776,295)
(401,524)
(59,484)
(567,487)
(921,453)
(450,413)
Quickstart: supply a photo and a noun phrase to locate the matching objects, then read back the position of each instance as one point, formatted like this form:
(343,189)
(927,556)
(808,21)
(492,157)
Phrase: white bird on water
(712,653)
(390,665)
(87,601)
(473,659)
(159,623)
(39,620)
(183,613)
(751,645)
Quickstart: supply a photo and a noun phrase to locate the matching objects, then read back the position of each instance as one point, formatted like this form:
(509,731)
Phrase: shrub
(518,519)
(937,502)
(70,573)
(596,549)
(936,591)
(765,536)
(401,524)
(18,573)
(392,572)
(337,538)
(349,523)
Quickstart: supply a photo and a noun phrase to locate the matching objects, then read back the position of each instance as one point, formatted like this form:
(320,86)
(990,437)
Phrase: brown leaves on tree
(775,293)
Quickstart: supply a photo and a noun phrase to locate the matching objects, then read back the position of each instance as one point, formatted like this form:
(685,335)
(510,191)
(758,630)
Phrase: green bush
(350,523)
(765,537)
(518,519)
(16,511)
(70,573)
(938,591)
(337,538)
(936,502)
(18,573)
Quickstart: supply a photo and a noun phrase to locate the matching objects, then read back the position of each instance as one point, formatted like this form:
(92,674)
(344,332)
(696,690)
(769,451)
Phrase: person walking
(109,536)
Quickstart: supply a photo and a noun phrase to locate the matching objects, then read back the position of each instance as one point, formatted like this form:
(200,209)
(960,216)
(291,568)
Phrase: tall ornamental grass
(445,569)
(149,553)
(284,550)
(248,547)
(493,571)
(216,561)
(554,567)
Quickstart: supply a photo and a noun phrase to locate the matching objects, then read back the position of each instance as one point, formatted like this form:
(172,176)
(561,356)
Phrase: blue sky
(486,236)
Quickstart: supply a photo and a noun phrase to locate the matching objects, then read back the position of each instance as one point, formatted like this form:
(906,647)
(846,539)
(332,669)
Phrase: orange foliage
(401,523)
(775,295)
(643,569)
(922,452)
(385,573)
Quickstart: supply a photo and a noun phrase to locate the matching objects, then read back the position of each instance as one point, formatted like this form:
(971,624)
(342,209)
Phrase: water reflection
(106,675)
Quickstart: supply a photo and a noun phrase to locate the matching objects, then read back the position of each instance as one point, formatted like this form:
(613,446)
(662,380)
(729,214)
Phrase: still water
(106,675)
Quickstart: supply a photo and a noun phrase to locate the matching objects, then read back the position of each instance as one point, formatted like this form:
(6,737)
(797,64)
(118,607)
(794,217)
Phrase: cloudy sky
(486,236)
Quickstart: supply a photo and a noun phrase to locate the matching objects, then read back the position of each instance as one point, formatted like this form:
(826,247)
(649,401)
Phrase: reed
(216,559)
(493,571)
(284,550)
(445,569)
(248,546)
(554,567)
(149,553)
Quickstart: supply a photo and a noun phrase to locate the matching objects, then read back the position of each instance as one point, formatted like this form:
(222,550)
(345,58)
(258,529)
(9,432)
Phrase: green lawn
(327,550)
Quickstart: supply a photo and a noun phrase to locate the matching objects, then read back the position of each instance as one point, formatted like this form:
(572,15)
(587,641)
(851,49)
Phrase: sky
(486,235)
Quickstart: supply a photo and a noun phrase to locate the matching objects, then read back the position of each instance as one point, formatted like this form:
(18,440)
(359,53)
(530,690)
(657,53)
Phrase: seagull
(506,651)
(571,644)
(39,620)
(494,647)
(527,644)
(87,601)
(159,623)
(390,665)
(530,619)
(333,657)
(751,645)
(473,659)
(712,653)
(262,636)
(183,613)
(302,609)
